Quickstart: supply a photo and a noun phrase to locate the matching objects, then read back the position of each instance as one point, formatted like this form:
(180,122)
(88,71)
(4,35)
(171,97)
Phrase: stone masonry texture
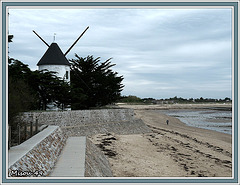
(41,159)
(91,122)
(79,117)
(96,164)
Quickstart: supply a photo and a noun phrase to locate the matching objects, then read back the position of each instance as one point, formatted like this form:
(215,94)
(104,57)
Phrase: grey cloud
(160,52)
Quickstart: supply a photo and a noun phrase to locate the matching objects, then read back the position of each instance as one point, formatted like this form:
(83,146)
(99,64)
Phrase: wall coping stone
(17,152)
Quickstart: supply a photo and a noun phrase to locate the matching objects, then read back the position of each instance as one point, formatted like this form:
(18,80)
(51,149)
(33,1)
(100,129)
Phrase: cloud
(160,52)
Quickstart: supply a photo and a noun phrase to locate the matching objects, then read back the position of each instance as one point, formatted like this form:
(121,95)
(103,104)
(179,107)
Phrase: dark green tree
(62,95)
(94,84)
(20,97)
(44,86)
(134,99)
(10,37)
(49,89)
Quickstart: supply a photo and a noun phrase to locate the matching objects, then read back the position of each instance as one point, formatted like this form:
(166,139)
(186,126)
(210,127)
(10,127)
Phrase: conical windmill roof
(53,56)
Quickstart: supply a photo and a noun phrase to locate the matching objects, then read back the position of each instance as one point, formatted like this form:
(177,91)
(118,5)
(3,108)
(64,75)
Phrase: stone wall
(96,164)
(40,160)
(125,127)
(91,122)
(79,117)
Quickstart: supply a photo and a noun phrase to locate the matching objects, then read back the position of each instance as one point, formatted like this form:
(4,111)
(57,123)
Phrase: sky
(161,53)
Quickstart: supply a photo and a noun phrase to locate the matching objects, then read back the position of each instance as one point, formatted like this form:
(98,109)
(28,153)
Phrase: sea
(217,120)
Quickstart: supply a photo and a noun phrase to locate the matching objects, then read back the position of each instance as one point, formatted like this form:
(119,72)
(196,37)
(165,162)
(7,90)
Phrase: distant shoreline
(181,107)
(213,106)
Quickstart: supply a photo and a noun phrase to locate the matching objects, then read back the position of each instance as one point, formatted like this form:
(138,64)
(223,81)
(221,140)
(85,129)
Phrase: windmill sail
(41,38)
(75,41)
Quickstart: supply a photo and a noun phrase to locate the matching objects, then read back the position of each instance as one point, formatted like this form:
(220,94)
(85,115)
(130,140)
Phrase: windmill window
(66,74)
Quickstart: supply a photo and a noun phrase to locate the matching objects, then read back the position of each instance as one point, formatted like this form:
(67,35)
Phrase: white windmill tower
(55,60)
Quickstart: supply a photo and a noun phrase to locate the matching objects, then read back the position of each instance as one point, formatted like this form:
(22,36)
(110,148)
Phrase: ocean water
(217,120)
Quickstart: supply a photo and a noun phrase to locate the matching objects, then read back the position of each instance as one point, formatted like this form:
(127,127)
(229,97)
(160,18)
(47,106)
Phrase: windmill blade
(41,38)
(75,41)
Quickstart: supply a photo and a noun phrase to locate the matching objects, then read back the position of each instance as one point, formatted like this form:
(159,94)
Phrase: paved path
(71,162)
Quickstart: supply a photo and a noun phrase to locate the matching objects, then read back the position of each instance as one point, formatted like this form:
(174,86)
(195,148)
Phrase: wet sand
(173,150)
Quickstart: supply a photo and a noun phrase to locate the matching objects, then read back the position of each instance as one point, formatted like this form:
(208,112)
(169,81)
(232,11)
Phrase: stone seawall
(96,164)
(38,155)
(79,117)
(40,159)
(125,127)
(91,122)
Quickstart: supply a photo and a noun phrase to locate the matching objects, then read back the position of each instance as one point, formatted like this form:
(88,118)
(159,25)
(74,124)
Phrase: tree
(134,99)
(62,95)
(10,37)
(20,97)
(49,89)
(227,99)
(93,84)
(43,86)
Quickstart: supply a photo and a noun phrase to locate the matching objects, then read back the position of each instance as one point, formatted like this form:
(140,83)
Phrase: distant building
(163,101)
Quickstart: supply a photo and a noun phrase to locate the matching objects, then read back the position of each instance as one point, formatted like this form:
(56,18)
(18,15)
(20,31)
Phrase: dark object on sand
(167,122)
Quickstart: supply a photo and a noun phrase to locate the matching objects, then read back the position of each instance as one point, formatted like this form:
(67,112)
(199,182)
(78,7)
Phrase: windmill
(55,60)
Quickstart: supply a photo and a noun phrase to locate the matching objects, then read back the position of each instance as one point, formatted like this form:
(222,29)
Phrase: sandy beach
(173,150)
